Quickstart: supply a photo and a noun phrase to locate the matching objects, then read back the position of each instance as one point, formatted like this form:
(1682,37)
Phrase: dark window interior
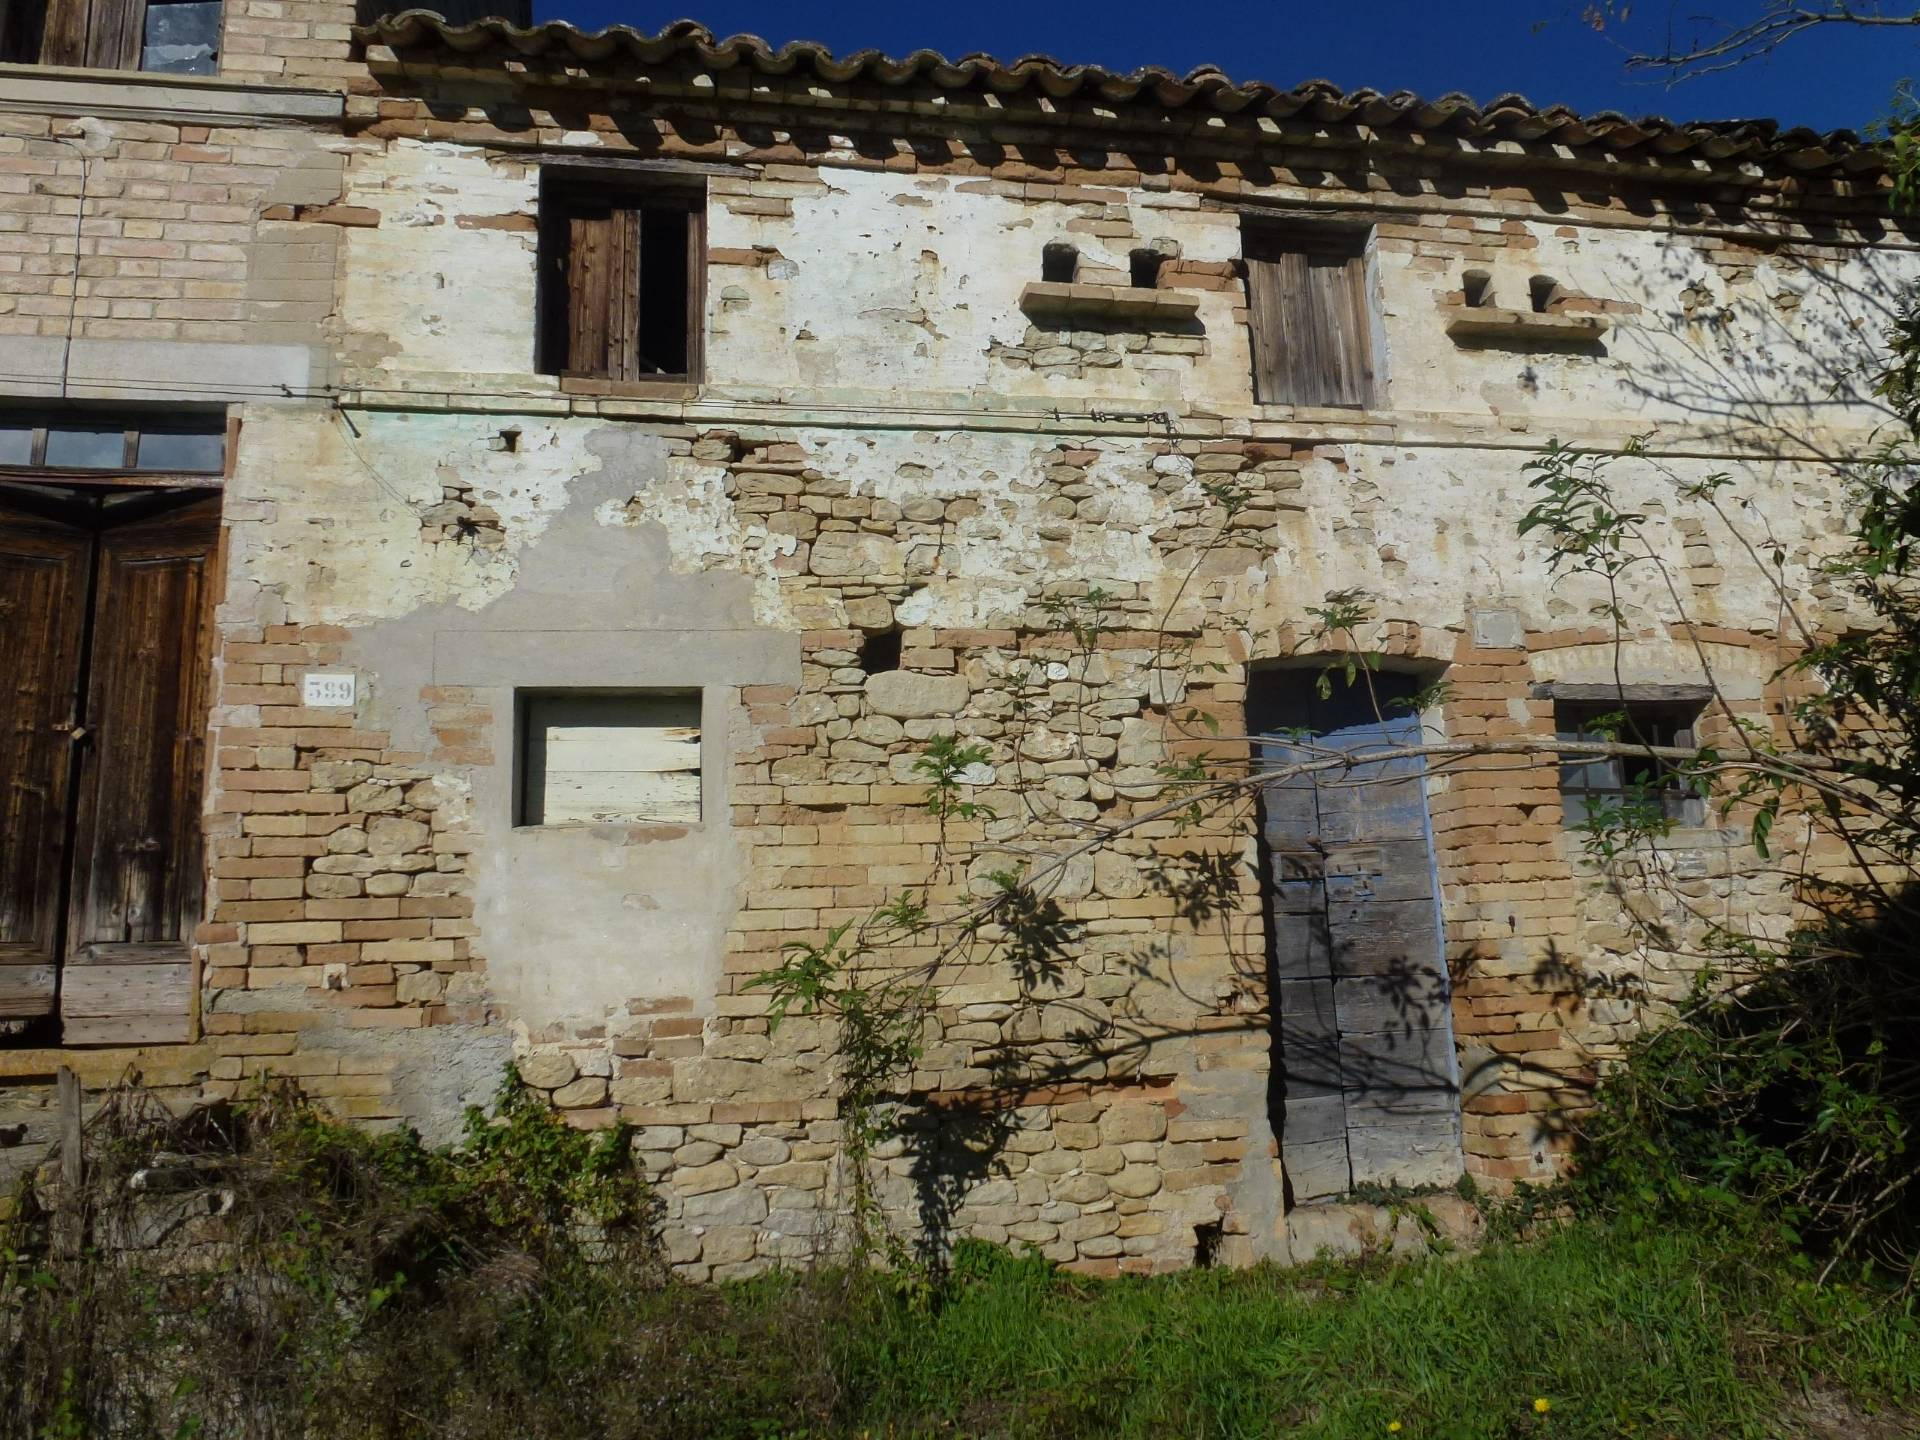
(1144,269)
(1058,264)
(620,281)
(1288,699)
(1587,786)
(880,651)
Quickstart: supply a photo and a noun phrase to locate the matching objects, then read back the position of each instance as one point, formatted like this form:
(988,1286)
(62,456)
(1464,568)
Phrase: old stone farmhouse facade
(494,520)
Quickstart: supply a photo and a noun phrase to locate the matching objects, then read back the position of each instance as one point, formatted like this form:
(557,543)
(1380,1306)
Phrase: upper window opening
(1544,292)
(1059,264)
(620,282)
(609,757)
(1476,288)
(106,442)
(1143,268)
(1596,786)
(179,37)
(880,651)
(1311,320)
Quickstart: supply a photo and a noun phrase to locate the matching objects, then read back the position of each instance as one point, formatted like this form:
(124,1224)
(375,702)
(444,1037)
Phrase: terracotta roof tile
(1510,116)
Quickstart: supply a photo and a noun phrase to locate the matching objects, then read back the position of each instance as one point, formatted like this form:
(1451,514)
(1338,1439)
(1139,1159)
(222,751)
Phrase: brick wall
(290,42)
(337,874)
(131,230)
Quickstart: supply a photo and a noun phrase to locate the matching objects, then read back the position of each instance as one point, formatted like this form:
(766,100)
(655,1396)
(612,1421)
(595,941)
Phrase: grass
(365,1289)
(1621,1334)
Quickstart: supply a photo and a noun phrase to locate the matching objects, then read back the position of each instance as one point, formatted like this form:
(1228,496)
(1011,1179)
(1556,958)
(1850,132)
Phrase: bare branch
(1781,21)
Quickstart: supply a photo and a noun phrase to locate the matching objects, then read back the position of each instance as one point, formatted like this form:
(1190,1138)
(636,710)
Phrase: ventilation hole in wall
(1476,287)
(510,441)
(1206,1243)
(1058,263)
(1144,267)
(1545,291)
(880,651)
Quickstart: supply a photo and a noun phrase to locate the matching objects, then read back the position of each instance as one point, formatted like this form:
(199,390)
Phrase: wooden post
(70,1221)
(72,1161)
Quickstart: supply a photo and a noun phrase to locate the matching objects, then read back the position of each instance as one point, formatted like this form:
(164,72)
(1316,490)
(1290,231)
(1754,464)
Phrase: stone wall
(1152,1010)
(885,440)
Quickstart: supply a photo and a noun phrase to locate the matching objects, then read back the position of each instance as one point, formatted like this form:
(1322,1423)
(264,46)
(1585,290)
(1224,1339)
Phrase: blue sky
(1540,48)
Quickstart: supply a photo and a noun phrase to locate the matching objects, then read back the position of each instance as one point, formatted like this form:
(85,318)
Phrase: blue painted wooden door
(1365,1043)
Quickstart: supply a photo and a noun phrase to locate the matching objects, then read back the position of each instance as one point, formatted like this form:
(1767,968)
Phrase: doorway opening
(106,598)
(1364,1091)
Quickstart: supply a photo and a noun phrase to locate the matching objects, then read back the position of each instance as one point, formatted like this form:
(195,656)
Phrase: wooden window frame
(1667,719)
(564,190)
(128,473)
(1355,383)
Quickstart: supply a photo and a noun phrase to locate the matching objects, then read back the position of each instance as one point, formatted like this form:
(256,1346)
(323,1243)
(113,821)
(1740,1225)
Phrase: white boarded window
(596,756)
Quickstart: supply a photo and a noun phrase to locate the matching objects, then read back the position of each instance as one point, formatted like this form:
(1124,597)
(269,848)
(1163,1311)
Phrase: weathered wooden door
(107,634)
(45,569)
(1364,1045)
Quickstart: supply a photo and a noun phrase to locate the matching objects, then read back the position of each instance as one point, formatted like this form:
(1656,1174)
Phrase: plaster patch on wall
(576,921)
(352,550)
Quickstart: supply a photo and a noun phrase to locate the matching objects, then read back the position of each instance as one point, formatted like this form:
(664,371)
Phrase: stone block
(580,1094)
(700,1179)
(742,1205)
(762,1150)
(911,695)
(548,1071)
(1124,1124)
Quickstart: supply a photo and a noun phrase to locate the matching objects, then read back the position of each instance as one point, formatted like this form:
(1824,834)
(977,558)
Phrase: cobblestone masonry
(885,440)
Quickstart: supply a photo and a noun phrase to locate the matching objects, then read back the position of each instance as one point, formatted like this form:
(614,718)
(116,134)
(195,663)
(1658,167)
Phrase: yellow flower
(1393,1427)
(1542,1405)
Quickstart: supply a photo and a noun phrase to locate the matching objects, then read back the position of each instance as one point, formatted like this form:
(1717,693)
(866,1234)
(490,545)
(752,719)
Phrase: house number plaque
(329,688)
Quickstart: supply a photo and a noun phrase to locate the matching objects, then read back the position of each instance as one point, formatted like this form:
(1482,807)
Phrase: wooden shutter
(137,880)
(104,34)
(1311,331)
(1361,993)
(611,759)
(603,292)
(43,604)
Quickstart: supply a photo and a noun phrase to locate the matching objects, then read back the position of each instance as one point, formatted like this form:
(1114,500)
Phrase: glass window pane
(16,444)
(163,450)
(182,38)
(86,449)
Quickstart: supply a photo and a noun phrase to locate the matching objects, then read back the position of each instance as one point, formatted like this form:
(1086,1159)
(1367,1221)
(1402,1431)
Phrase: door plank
(137,872)
(623,295)
(63,36)
(589,259)
(44,570)
(140,1004)
(115,31)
